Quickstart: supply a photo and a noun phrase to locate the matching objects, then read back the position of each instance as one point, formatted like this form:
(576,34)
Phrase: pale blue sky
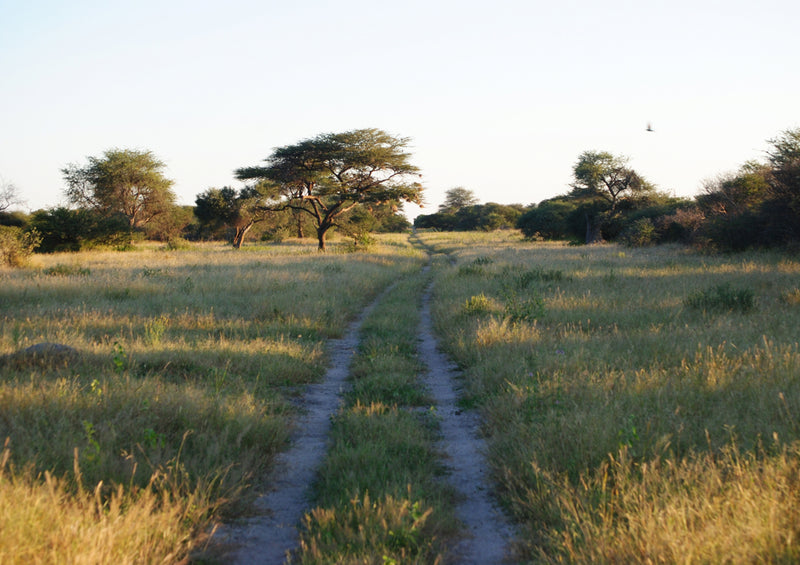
(499,97)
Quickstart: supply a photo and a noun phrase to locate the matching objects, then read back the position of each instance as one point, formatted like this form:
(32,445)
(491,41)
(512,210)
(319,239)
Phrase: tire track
(269,537)
(489,532)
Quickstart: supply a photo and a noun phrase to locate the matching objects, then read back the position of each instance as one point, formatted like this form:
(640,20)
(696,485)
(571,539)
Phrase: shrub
(526,278)
(478,304)
(475,267)
(791,297)
(16,245)
(526,309)
(63,229)
(177,244)
(640,234)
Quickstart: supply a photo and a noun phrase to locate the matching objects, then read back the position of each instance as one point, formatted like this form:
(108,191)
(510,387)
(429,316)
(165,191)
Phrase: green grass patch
(722,297)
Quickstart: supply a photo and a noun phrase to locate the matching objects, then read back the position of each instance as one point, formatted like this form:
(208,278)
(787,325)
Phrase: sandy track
(269,537)
(488,531)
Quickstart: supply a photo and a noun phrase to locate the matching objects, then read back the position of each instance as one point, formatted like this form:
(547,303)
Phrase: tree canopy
(759,205)
(329,175)
(457,198)
(601,180)
(122,181)
(226,207)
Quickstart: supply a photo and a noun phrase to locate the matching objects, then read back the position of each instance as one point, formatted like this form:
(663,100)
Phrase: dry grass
(625,423)
(179,398)
(44,520)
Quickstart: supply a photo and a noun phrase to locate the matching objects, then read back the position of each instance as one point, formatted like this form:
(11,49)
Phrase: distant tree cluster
(608,201)
(758,206)
(462,212)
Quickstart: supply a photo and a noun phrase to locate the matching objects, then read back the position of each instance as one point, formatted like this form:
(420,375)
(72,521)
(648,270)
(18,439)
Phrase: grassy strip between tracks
(380,492)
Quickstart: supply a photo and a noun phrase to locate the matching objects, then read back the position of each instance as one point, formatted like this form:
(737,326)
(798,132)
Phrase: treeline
(757,206)
(355,182)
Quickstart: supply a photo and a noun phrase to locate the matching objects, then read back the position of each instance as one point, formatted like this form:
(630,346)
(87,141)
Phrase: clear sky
(498,96)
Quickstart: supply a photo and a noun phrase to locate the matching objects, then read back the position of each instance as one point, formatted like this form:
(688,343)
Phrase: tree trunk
(299,219)
(592,230)
(321,237)
(238,236)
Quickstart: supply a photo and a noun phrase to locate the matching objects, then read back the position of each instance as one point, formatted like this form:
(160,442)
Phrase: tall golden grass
(180,396)
(626,423)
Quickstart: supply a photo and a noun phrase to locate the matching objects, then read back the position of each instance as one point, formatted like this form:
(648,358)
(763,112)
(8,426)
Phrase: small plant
(120,358)
(722,297)
(154,329)
(153,439)
(523,309)
(478,304)
(628,435)
(96,388)
(92,452)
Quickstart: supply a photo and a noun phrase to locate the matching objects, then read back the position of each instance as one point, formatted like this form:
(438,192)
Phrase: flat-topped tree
(332,173)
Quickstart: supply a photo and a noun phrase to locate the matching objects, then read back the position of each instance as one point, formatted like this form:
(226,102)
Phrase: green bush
(640,234)
(16,245)
(63,229)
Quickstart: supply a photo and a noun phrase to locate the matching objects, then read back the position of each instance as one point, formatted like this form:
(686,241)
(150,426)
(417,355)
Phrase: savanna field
(640,405)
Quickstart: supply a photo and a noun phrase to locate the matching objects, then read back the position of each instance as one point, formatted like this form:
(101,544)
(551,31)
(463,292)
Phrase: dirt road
(269,537)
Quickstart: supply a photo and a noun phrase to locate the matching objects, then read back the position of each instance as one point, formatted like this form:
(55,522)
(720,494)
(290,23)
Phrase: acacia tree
(329,175)
(457,198)
(122,181)
(601,180)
